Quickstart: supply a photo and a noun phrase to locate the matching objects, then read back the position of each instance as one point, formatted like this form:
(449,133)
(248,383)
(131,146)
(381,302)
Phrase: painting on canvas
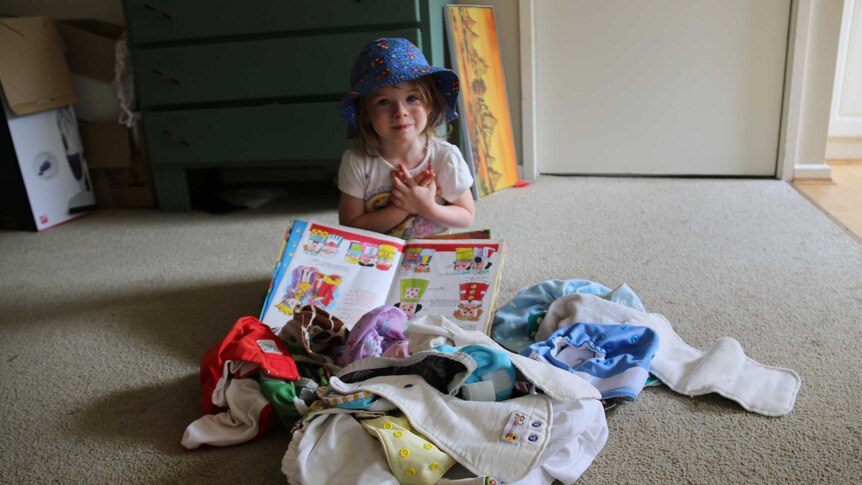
(485,120)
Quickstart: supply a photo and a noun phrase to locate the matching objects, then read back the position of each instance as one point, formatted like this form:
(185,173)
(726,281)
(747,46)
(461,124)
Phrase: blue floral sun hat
(390,61)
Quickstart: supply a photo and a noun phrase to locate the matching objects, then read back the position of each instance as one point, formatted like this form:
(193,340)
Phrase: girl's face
(397,113)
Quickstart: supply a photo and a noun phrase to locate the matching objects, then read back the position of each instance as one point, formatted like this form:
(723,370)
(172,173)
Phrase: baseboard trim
(812,171)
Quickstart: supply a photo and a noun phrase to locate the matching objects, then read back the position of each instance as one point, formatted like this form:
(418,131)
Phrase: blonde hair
(428,94)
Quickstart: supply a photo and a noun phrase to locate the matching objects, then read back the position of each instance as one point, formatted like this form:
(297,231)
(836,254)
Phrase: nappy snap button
(535,424)
(533,438)
(428,446)
(634,339)
(408,386)
(398,434)
(404,452)
(624,327)
(410,472)
(434,466)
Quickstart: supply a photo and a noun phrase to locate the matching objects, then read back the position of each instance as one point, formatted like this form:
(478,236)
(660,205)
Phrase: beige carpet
(103,320)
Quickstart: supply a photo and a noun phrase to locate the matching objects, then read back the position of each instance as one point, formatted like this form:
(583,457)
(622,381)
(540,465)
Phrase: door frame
(797,71)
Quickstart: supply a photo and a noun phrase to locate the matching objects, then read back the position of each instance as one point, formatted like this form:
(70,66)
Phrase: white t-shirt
(369,179)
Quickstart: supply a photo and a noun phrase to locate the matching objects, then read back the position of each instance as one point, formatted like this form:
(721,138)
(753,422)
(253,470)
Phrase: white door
(659,87)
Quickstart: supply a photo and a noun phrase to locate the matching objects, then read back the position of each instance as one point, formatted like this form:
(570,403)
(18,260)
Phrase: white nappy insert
(723,369)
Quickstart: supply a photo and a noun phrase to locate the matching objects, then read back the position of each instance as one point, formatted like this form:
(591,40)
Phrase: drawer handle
(157,11)
(175,138)
(162,74)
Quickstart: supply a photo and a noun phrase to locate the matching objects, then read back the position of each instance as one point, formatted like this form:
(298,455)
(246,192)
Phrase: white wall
(845,124)
(814,50)
(819,78)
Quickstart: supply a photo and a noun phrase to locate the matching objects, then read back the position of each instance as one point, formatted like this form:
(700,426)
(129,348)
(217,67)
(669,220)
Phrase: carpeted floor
(103,320)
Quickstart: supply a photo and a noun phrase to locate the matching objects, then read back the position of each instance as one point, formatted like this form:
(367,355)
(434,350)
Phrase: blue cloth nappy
(494,377)
(613,358)
(515,324)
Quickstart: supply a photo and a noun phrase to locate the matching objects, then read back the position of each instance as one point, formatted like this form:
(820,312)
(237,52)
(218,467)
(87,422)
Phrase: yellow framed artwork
(485,120)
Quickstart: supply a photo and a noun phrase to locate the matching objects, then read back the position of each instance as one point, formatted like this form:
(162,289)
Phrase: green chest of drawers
(223,84)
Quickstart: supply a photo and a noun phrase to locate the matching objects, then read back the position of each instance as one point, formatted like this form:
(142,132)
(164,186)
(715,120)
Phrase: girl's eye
(412,99)
(382,102)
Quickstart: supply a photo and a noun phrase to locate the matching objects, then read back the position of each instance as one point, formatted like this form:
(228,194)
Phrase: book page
(342,270)
(457,279)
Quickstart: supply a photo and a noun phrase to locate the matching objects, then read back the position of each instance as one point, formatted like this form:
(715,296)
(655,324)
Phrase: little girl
(401,179)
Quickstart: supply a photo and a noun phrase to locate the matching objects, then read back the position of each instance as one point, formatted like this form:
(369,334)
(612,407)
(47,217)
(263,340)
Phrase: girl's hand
(409,195)
(423,178)
(426,177)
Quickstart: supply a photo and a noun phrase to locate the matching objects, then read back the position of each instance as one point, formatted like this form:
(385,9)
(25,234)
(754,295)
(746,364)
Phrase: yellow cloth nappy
(412,458)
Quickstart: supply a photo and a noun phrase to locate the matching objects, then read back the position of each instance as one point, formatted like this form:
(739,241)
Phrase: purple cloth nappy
(379,332)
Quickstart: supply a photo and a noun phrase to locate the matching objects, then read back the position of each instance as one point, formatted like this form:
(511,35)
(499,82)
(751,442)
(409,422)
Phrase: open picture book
(348,271)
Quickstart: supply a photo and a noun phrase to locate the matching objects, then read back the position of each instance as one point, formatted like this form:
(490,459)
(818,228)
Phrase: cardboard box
(33,70)
(91,52)
(90,46)
(44,178)
(107,145)
(118,165)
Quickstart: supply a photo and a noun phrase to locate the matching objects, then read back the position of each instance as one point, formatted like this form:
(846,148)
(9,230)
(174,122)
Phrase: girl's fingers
(405,176)
(425,177)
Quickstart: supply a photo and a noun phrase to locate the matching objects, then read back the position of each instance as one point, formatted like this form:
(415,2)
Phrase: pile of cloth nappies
(426,401)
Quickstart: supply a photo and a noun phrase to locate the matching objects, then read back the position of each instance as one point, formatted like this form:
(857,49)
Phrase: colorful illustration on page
(369,254)
(424,263)
(411,292)
(330,247)
(325,291)
(296,293)
(411,258)
(471,294)
(386,256)
(315,241)
(354,252)
(463,259)
(308,286)
(482,259)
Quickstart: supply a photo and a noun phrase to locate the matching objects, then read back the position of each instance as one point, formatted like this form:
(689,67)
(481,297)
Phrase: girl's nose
(400,110)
